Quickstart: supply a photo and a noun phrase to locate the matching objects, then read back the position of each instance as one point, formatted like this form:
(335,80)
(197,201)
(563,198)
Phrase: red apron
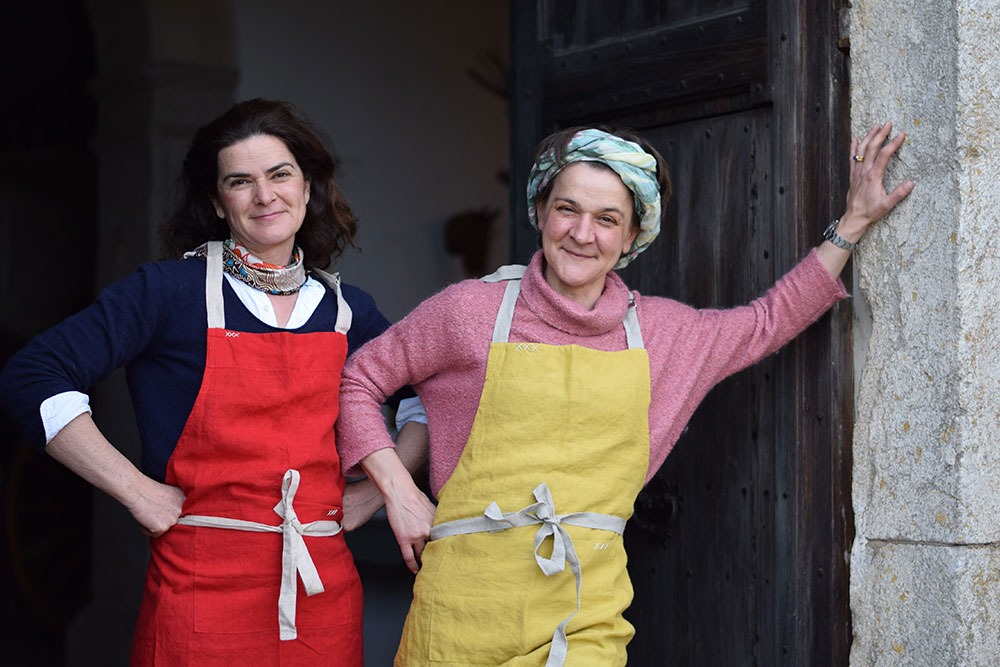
(258,451)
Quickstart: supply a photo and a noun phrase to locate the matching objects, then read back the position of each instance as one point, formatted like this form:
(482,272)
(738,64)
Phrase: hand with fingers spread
(867,199)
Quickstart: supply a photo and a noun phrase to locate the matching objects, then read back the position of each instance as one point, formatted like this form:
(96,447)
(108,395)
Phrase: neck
(586,295)
(277,255)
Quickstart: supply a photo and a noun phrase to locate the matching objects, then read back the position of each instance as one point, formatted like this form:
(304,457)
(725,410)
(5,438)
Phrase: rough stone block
(923,604)
(926,468)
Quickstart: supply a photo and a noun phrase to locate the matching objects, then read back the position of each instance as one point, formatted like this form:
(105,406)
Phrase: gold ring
(858,158)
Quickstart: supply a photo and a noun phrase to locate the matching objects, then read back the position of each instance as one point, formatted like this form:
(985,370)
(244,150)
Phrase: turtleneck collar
(566,314)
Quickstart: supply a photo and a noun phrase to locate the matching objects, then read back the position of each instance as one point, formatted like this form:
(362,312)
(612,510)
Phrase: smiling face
(262,195)
(586,224)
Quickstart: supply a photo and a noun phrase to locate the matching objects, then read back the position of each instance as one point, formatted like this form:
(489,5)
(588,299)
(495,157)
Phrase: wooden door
(738,546)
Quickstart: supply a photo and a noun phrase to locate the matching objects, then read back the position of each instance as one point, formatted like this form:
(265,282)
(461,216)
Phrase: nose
(583,229)
(263,194)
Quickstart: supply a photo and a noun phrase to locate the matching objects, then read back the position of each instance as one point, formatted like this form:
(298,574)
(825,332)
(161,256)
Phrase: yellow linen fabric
(576,419)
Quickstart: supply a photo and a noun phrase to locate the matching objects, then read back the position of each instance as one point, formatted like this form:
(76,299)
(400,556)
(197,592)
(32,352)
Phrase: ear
(541,214)
(219,211)
(629,239)
(306,192)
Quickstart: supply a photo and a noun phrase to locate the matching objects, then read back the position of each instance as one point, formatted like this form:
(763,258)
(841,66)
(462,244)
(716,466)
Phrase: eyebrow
(270,170)
(577,204)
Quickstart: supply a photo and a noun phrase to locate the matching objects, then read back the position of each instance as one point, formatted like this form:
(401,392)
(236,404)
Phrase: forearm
(412,445)
(409,510)
(385,468)
(362,498)
(769,322)
(81,447)
(834,258)
(411,450)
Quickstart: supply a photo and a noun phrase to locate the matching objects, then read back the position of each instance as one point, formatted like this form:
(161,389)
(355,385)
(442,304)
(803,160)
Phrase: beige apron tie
(295,556)
(542,512)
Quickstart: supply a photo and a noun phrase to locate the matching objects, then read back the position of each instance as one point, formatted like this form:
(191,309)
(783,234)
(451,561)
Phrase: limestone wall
(925,567)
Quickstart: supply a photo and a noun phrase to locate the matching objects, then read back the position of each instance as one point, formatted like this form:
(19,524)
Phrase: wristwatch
(831,235)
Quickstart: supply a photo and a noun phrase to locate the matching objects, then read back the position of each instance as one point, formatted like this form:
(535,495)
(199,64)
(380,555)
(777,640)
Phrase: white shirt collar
(310,294)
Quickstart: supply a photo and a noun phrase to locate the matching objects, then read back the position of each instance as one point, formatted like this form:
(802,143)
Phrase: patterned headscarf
(636,167)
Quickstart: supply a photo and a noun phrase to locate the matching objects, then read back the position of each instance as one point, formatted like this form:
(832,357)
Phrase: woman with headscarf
(553,394)
(233,356)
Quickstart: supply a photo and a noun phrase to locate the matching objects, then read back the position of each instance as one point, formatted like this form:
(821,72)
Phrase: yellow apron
(557,454)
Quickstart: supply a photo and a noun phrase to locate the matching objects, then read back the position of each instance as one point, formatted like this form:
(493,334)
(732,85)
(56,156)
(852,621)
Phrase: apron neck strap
(505,315)
(344,314)
(501,328)
(213,286)
(631,322)
(215,306)
(512,273)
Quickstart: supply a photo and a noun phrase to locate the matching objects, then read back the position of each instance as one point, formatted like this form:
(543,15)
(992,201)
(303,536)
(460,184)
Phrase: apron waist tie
(542,512)
(295,556)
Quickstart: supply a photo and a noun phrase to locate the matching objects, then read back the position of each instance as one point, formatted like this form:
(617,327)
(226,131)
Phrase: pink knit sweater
(442,346)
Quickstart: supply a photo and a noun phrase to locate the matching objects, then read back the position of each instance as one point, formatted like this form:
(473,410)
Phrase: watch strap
(831,235)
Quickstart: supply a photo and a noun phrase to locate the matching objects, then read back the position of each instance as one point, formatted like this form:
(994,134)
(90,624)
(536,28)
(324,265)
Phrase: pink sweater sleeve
(769,322)
(693,350)
(441,343)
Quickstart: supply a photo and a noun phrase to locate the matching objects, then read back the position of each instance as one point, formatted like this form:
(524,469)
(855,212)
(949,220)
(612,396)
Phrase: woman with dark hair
(553,394)
(234,357)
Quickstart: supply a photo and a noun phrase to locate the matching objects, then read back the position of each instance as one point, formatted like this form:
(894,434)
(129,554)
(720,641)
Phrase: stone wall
(925,567)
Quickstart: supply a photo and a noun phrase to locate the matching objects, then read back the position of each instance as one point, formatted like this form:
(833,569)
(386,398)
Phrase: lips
(267,217)
(577,255)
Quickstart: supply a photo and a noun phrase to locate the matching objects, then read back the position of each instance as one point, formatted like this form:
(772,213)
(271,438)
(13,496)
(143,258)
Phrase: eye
(607,221)
(236,182)
(282,175)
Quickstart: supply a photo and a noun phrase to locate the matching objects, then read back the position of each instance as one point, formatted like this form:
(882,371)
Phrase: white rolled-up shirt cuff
(410,410)
(59,410)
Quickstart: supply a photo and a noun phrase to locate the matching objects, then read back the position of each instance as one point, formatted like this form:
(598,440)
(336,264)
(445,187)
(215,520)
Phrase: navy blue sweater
(154,324)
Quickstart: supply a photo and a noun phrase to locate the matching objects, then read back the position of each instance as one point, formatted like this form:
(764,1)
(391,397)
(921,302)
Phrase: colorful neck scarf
(240,263)
(634,166)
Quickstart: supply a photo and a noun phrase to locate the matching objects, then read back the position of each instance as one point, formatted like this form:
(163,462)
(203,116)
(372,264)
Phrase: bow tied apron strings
(552,525)
(295,558)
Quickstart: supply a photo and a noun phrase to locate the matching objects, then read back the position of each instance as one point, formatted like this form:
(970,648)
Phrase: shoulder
(154,284)
(171,275)
(465,299)
(472,290)
(662,308)
(367,321)
(665,321)
(174,269)
(453,316)
(356,298)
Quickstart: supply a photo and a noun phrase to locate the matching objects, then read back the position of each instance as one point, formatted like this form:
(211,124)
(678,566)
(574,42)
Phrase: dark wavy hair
(329,225)
(557,143)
